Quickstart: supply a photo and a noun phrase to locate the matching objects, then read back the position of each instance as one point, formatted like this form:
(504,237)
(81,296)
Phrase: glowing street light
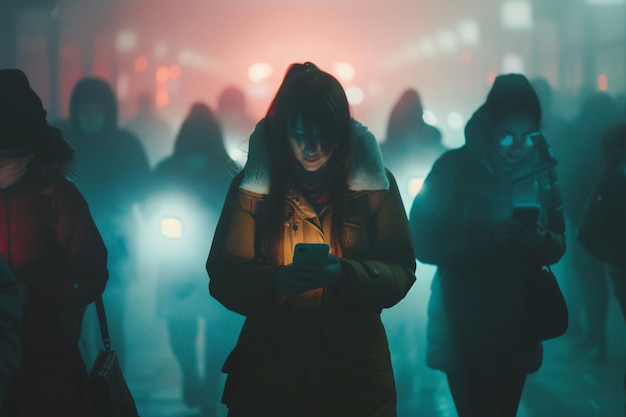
(260,71)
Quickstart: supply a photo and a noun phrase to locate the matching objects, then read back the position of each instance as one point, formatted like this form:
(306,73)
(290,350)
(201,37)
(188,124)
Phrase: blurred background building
(183,50)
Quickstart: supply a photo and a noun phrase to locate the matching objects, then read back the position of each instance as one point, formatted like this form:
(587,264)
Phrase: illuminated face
(306,148)
(91,118)
(515,137)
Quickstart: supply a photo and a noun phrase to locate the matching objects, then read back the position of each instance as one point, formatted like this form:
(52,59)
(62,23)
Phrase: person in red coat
(52,245)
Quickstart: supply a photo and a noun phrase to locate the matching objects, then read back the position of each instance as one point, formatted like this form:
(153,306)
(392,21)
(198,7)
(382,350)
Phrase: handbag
(111,395)
(548,314)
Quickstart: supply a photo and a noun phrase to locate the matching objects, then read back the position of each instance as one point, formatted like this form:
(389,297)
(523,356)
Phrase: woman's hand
(511,232)
(293,279)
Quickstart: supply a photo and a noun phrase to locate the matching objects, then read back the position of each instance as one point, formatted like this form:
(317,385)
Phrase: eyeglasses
(527,140)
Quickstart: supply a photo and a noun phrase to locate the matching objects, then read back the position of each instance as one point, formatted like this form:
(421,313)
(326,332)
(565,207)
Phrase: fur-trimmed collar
(367,174)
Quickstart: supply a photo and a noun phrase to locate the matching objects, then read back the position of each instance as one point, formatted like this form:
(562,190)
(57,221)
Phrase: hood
(476,140)
(25,130)
(367,172)
(94,90)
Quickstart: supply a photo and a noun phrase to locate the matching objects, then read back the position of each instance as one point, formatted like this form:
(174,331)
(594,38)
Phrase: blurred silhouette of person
(313,343)
(153,132)
(612,186)
(190,186)
(582,164)
(411,145)
(409,150)
(52,245)
(602,229)
(112,172)
(236,123)
(462,222)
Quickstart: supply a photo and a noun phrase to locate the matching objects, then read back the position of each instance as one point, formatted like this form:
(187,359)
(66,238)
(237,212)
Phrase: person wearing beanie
(462,221)
(53,247)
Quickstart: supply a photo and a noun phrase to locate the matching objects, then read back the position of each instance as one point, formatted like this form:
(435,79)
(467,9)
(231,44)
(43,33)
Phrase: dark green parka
(323,352)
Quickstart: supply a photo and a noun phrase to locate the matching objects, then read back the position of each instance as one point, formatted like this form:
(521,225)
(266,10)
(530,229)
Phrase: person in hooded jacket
(461,221)
(112,172)
(313,343)
(190,186)
(52,245)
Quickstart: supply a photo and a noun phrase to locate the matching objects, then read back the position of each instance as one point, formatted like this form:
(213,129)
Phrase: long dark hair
(320,101)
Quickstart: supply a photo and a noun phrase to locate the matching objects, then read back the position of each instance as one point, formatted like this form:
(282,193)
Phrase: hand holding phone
(526,215)
(312,267)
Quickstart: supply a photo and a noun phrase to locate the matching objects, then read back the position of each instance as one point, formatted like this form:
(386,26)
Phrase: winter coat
(52,244)
(11,305)
(476,311)
(323,352)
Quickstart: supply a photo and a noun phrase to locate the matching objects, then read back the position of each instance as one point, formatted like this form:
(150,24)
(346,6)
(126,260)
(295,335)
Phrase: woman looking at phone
(466,222)
(313,343)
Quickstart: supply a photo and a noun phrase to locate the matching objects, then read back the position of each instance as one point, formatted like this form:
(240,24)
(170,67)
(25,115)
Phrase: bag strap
(102,319)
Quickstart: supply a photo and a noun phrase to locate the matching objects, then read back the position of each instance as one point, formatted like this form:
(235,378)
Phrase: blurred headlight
(171,227)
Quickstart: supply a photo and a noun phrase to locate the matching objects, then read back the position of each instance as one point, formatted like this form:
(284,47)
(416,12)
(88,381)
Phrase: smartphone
(311,254)
(526,214)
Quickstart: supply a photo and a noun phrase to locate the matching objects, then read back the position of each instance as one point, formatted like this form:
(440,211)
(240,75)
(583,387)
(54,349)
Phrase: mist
(188,51)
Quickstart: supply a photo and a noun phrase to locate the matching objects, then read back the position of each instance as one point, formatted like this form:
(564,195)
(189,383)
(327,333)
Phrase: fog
(184,51)
(448,50)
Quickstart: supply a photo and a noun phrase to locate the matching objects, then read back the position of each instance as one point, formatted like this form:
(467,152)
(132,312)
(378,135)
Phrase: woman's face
(306,147)
(514,137)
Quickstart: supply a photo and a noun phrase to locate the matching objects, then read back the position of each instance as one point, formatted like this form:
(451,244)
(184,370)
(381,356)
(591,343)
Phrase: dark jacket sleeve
(237,280)
(84,256)
(11,305)
(554,246)
(385,278)
(437,237)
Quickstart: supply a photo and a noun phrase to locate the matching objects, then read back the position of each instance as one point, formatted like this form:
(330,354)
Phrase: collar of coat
(367,174)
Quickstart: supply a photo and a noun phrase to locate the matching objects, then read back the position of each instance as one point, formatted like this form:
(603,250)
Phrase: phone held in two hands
(310,254)
(526,214)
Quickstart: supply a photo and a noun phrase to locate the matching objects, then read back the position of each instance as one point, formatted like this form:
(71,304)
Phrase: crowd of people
(303,338)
